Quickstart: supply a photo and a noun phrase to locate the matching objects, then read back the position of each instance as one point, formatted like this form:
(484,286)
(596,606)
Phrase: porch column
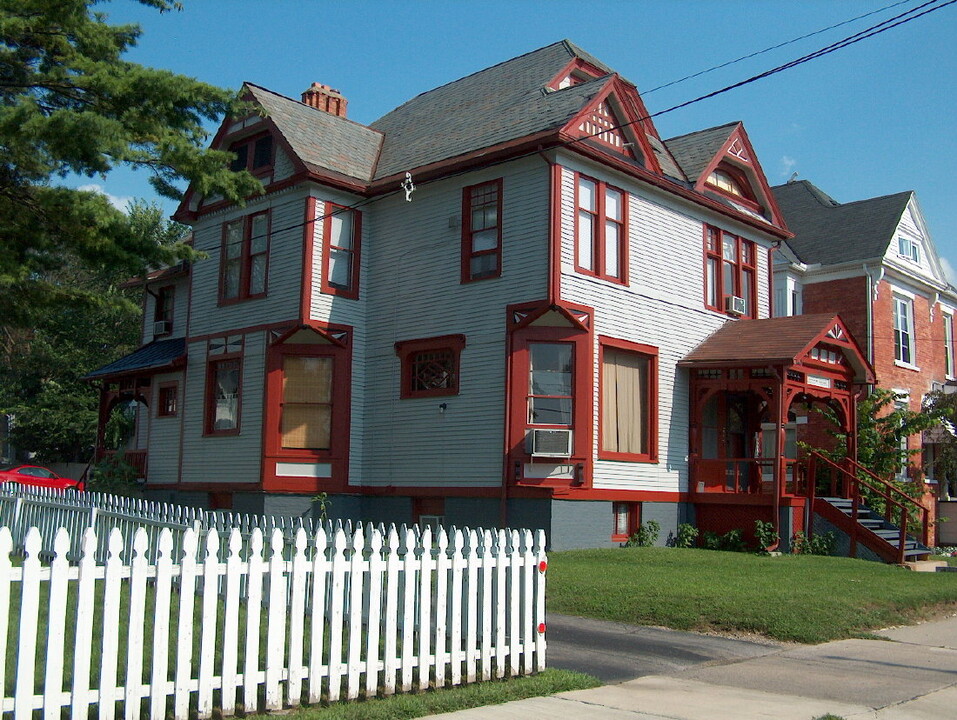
(106,400)
(780,418)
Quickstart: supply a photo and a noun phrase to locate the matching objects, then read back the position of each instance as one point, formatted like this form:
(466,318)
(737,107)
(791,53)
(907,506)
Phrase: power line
(774,47)
(872,31)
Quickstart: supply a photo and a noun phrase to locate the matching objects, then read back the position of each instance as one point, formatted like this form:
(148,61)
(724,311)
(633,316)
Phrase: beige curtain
(624,402)
(306,402)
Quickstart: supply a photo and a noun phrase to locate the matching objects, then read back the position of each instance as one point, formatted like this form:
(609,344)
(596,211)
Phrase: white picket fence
(326,618)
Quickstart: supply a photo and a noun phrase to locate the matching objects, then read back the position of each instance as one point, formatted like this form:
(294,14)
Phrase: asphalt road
(616,652)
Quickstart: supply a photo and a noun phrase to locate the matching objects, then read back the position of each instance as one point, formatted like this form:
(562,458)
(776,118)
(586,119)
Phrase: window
(166,400)
(550,386)
(629,401)
(163,311)
(340,257)
(730,271)
(904,330)
(600,230)
(430,366)
(723,180)
(948,345)
(482,231)
(245,255)
(908,248)
(306,404)
(223,396)
(625,520)
(253,154)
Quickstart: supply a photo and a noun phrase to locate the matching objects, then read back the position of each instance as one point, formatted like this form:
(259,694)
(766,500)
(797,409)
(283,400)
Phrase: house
(506,302)
(874,262)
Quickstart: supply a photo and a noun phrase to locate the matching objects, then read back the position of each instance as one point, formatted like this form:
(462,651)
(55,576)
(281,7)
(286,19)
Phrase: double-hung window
(306,404)
(908,248)
(342,229)
(948,345)
(223,385)
(550,386)
(730,272)
(629,390)
(601,237)
(482,231)
(253,154)
(163,311)
(245,258)
(904,330)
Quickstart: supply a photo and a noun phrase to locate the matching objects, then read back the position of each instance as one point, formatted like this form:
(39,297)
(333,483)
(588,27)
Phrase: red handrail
(883,489)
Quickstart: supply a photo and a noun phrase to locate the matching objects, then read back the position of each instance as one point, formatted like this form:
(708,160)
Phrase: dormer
(614,120)
(576,72)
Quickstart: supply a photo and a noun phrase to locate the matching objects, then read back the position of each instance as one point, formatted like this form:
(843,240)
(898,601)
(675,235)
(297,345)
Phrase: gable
(613,120)
(734,176)
(910,247)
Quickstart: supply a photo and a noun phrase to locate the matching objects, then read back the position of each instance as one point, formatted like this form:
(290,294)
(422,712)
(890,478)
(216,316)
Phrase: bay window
(306,403)
(550,384)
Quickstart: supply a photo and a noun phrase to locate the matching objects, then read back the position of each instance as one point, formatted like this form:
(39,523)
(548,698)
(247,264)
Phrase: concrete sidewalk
(912,675)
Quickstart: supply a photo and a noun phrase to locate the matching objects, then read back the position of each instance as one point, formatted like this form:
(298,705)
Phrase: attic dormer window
(722,180)
(908,248)
(253,154)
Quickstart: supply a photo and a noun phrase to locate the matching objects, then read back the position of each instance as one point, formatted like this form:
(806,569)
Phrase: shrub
(765,534)
(731,541)
(686,536)
(820,544)
(646,536)
(114,476)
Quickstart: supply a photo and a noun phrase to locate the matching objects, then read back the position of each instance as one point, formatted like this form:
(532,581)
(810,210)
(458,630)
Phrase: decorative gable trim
(737,157)
(544,314)
(614,120)
(311,332)
(577,70)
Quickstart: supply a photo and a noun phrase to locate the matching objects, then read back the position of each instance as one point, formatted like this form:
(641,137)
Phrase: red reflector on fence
(542,566)
(541,628)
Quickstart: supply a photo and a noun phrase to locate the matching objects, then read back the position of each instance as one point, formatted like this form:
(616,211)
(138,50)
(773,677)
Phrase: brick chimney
(322,97)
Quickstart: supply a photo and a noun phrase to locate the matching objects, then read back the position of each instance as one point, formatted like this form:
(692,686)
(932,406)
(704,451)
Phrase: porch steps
(878,528)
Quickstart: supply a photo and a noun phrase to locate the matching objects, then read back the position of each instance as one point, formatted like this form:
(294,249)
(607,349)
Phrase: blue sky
(872,119)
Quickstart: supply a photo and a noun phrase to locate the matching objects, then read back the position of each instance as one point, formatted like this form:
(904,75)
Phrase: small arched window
(723,180)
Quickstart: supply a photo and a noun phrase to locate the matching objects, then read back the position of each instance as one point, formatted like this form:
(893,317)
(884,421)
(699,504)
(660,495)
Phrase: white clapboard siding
(342,612)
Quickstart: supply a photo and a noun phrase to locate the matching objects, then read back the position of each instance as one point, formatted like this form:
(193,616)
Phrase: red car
(36,475)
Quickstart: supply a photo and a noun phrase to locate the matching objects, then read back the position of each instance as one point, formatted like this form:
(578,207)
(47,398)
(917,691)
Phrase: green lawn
(798,598)
(399,707)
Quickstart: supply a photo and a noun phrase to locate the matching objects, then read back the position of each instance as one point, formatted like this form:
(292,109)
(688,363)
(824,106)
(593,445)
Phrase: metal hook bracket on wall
(408,186)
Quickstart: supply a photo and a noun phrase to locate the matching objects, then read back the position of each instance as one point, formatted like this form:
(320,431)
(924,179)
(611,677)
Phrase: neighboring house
(508,343)
(874,262)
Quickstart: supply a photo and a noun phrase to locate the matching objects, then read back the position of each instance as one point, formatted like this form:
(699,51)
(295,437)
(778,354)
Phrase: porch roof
(157,355)
(776,341)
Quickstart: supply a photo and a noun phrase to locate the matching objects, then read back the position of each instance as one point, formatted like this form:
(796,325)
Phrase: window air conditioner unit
(161,327)
(550,443)
(734,304)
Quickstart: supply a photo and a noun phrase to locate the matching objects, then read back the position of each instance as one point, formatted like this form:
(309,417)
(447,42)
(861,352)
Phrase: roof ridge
(563,43)
(703,130)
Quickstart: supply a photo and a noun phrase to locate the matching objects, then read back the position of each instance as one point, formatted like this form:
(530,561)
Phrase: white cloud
(787,165)
(949,271)
(120,203)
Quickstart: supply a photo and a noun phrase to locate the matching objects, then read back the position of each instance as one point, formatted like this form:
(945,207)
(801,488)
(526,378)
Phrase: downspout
(872,286)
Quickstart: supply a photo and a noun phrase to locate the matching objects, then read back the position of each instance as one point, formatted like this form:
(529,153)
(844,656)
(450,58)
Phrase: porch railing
(752,476)
(848,480)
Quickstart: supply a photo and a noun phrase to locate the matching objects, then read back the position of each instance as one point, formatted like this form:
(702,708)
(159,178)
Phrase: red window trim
(467,253)
(250,144)
(338,454)
(246,256)
(407,349)
(651,352)
(634,519)
(168,291)
(352,292)
(740,268)
(210,395)
(598,231)
(160,406)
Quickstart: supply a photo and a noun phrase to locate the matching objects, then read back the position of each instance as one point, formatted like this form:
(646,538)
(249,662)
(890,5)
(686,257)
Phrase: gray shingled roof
(322,140)
(157,355)
(495,105)
(829,232)
(695,150)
